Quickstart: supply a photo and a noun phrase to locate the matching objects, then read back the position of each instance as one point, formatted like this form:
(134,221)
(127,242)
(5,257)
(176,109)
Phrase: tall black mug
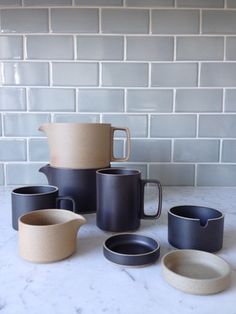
(120,199)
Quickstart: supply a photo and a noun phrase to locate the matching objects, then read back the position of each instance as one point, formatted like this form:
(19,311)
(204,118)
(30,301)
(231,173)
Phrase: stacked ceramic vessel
(77,151)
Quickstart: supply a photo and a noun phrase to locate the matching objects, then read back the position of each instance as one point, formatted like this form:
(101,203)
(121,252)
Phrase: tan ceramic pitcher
(48,235)
(82,145)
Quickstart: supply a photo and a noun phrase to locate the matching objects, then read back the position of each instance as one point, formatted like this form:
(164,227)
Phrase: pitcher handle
(159,188)
(126,130)
(65,198)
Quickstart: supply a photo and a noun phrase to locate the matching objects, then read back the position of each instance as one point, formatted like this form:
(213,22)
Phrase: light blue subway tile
(24,20)
(100,47)
(125,74)
(231,3)
(231,48)
(24,124)
(1,174)
(137,124)
(123,21)
(230,100)
(12,150)
(74,20)
(25,174)
(149,150)
(75,74)
(47,2)
(76,118)
(218,74)
(196,150)
(99,3)
(10,3)
(173,174)
(216,175)
(217,125)
(175,21)
(101,100)
(51,99)
(150,3)
(172,125)
(24,73)
(11,47)
(229,151)
(200,3)
(50,47)
(199,100)
(12,99)
(38,150)
(149,100)
(218,22)
(200,48)
(150,48)
(174,74)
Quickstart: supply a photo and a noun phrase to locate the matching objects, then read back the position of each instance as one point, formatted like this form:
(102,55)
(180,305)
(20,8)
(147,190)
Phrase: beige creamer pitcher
(48,235)
(82,145)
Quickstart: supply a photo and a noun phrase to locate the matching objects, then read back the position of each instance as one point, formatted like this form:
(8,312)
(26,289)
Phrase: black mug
(28,198)
(120,199)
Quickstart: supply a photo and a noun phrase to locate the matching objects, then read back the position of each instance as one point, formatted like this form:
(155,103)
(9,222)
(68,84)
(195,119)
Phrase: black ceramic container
(195,227)
(120,199)
(78,183)
(131,249)
(28,198)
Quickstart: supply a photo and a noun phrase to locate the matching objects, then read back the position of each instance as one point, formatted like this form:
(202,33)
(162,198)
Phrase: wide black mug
(120,199)
(28,198)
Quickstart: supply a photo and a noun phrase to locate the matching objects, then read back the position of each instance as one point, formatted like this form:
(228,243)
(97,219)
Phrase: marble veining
(87,283)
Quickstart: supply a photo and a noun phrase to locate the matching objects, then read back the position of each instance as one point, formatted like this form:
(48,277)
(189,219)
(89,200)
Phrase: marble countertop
(87,283)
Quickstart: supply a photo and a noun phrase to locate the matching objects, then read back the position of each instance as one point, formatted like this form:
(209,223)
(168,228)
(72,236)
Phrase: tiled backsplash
(164,68)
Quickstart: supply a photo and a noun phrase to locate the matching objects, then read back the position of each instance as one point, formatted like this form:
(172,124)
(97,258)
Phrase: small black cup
(195,227)
(28,198)
(120,199)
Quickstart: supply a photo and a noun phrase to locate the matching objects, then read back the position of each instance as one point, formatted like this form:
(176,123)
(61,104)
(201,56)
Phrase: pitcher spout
(45,170)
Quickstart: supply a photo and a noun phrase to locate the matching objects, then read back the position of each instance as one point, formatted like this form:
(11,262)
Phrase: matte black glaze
(195,227)
(28,198)
(120,199)
(78,183)
(131,249)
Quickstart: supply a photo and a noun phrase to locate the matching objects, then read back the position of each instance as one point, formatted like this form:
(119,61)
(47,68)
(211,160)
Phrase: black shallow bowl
(131,249)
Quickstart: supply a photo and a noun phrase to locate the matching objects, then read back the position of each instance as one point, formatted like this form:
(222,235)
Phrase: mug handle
(159,187)
(126,130)
(65,198)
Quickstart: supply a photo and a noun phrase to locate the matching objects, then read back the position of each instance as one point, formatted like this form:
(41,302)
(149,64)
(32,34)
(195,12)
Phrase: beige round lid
(196,272)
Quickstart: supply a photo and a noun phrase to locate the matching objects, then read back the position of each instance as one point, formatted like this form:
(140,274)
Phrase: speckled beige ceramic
(196,272)
(48,235)
(82,145)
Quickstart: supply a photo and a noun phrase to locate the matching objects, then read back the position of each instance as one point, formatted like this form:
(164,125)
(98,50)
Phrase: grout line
(225,49)
(223,103)
(150,22)
(77,100)
(24,41)
(125,41)
(75,47)
(100,70)
(197,125)
(149,75)
(149,126)
(49,21)
(175,49)
(99,20)
(172,151)
(125,99)
(174,100)
(220,150)
(195,174)
(199,74)
(200,22)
